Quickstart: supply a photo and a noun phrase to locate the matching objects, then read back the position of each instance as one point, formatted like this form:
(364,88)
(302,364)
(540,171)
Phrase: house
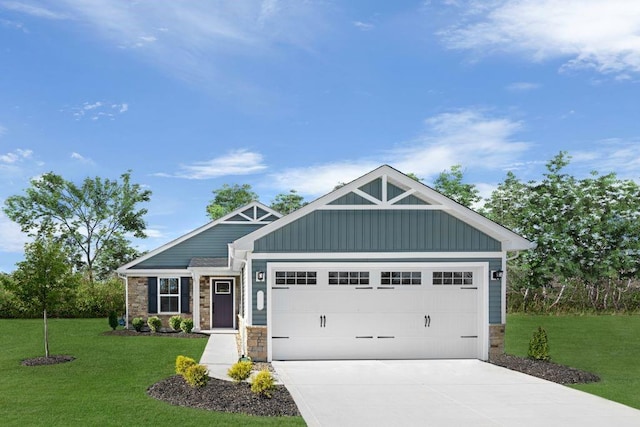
(381,268)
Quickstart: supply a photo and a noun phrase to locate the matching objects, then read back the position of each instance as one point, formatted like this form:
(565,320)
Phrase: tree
(229,198)
(44,278)
(450,184)
(88,218)
(287,203)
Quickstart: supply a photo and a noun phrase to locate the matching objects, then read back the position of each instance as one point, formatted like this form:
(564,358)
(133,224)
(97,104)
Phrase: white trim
(365,196)
(503,290)
(374,255)
(155,272)
(482,351)
(212,292)
(385,190)
(125,268)
(249,319)
(385,207)
(403,196)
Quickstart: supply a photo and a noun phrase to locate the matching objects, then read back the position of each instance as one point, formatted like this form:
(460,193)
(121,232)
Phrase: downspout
(126,300)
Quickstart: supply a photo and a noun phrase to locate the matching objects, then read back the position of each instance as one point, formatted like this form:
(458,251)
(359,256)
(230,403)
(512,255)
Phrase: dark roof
(209,262)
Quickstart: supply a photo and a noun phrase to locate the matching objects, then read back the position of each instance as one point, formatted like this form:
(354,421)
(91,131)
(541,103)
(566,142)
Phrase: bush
(183,363)
(196,375)
(186,325)
(539,345)
(175,322)
(154,323)
(263,383)
(137,323)
(113,320)
(240,371)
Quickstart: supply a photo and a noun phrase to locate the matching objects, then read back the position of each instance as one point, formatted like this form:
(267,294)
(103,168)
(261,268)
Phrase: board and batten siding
(495,294)
(377,231)
(209,243)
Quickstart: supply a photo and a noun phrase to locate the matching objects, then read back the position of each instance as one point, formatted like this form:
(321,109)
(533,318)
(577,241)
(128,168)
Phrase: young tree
(228,198)
(44,278)
(450,184)
(287,203)
(87,218)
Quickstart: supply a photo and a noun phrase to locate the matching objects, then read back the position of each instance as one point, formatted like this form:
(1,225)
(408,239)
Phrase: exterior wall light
(496,274)
(259,276)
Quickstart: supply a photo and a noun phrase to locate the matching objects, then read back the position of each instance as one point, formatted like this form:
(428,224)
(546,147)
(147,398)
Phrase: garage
(376,310)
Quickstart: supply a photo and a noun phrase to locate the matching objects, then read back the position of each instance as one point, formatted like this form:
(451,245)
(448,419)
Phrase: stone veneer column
(257,343)
(496,340)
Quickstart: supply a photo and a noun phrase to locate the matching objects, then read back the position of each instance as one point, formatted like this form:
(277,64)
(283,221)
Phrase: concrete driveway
(439,393)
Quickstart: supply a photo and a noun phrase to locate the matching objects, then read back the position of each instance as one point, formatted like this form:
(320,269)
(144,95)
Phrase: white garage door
(382,312)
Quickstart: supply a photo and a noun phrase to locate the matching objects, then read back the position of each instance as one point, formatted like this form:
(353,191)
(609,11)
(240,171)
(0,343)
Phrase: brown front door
(222,306)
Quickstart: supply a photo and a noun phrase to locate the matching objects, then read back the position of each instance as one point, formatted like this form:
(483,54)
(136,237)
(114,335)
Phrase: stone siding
(139,303)
(257,343)
(496,340)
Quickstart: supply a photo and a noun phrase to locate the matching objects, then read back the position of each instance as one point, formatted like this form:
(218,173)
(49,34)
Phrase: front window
(169,294)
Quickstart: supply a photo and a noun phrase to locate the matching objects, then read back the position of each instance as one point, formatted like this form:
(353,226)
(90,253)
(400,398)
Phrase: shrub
(539,345)
(175,322)
(196,375)
(154,323)
(240,371)
(137,323)
(186,325)
(182,363)
(263,383)
(113,320)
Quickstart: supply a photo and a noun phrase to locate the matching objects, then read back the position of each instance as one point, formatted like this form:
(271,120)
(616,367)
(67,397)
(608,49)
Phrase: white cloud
(3,130)
(238,162)
(15,156)
(79,157)
(30,9)
(603,35)
(471,138)
(363,26)
(11,238)
(611,155)
(522,86)
(98,109)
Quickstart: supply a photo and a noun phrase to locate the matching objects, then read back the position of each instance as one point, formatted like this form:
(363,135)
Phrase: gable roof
(253,213)
(389,189)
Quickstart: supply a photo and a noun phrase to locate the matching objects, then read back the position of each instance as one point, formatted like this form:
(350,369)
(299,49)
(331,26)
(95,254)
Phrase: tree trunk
(46,335)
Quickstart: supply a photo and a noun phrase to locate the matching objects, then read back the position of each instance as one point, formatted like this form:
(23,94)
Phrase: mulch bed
(51,360)
(224,396)
(546,370)
(164,333)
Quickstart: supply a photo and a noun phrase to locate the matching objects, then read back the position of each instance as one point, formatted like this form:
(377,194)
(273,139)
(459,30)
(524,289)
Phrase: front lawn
(106,384)
(608,346)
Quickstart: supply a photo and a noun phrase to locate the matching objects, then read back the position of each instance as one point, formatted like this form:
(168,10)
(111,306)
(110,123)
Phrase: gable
(383,210)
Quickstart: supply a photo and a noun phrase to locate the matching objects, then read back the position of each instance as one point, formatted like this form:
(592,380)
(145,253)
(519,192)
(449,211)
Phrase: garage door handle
(427,321)
(323,321)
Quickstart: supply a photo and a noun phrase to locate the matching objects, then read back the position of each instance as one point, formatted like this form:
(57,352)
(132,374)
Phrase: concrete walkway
(220,353)
(440,393)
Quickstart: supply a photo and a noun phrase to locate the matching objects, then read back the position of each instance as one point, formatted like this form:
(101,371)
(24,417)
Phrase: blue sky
(305,94)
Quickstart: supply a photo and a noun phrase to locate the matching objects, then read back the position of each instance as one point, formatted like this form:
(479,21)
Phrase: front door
(222,303)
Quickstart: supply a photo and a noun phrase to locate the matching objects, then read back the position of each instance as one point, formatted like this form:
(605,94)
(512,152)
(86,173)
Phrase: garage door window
(348,277)
(453,278)
(401,278)
(296,277)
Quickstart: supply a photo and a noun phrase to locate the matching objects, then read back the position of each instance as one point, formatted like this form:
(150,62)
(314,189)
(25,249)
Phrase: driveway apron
(439,393)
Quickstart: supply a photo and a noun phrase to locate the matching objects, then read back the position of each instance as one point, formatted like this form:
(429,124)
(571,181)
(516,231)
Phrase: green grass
(606,345)
(106,384)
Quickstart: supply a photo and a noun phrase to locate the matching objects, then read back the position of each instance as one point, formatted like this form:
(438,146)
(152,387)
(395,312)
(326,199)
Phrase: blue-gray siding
(209,243)
(495,295)
(377,231)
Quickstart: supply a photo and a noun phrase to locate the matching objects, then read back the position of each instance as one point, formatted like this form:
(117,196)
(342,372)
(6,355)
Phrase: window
(401,278)
(348,277)
(296,277)
(169,294)
(223,288)
(453,278)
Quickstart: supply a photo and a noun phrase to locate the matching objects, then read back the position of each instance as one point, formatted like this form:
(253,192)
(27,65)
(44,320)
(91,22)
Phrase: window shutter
(184,294)
(153,294)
